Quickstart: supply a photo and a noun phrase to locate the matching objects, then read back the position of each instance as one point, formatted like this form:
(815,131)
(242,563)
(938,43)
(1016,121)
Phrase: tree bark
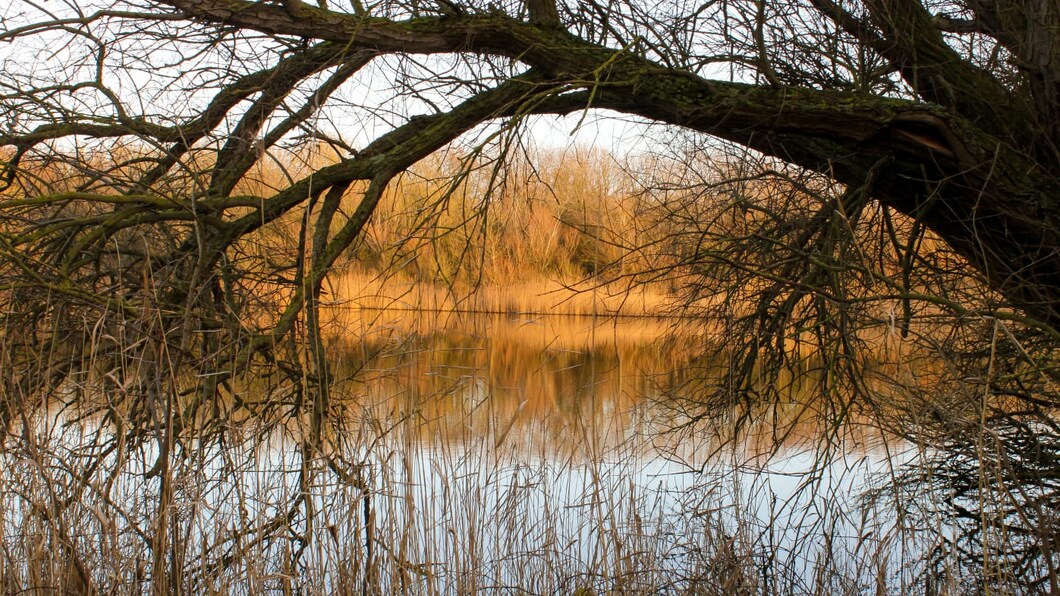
(958,164)
(973,158)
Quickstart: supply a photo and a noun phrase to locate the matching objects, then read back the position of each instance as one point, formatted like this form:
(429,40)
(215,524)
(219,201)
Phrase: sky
(367,106)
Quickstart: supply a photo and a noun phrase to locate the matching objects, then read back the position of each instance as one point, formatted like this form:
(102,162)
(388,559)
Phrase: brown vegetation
(225,222)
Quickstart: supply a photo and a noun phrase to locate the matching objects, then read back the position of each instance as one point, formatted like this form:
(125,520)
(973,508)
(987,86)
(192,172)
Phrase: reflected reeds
(464,454)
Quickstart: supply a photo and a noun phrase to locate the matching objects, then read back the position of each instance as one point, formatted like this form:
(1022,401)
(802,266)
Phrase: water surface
(469,453)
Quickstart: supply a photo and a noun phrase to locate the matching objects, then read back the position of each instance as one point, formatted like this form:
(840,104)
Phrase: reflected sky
(490,454)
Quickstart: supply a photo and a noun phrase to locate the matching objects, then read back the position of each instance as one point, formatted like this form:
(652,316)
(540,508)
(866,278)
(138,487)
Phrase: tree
(947,114)
(949,117)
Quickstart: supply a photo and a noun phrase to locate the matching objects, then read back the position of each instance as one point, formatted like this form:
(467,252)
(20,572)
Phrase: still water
(546,453)
(485,454)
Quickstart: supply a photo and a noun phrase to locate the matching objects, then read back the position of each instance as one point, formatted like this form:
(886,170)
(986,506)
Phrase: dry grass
(379,292)
(436,450)
(467,455)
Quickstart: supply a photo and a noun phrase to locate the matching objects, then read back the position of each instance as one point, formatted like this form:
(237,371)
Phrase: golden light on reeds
(492,331)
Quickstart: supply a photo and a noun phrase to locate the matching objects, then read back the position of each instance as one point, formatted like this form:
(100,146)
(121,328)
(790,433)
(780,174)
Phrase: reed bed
(464,455)
(540,381)
(376,291)
(420,509)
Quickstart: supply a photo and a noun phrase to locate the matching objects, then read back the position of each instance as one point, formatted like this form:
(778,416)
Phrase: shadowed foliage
(861,195)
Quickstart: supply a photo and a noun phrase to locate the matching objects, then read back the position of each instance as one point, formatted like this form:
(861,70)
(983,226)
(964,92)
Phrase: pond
(546,453)
(480,453)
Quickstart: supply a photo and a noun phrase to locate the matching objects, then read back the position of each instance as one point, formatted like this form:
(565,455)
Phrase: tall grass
(560,217)
(389,438)
(528,462)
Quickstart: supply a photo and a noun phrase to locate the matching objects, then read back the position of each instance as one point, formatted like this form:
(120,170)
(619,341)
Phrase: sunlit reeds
(539,379)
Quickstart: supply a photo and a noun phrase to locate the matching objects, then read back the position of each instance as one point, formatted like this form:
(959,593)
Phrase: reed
(546,380)
(470,454)
(467,465)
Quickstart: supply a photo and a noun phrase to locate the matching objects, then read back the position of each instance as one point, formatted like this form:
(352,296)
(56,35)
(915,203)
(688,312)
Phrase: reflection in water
(532,455)
(553,437)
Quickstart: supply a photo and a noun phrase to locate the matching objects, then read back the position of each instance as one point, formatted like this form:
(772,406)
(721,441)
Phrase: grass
(363,291)
(523,463)
(473,454)
(546,380)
